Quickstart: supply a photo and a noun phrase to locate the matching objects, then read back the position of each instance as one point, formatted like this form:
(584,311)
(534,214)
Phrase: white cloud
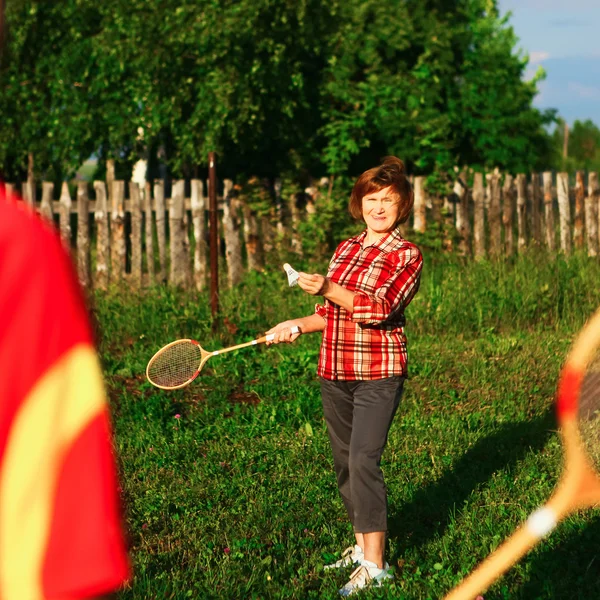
(538,56)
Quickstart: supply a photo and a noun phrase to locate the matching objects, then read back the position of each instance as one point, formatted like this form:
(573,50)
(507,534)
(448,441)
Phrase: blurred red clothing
(60,523)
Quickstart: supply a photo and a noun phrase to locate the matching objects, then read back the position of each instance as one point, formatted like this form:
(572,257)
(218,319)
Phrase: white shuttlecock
(292,275)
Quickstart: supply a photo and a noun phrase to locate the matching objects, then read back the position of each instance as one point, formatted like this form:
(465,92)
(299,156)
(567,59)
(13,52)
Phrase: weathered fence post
(521,211)
(118,248)
(149,231)
(536,224)
(279,210)
(252,239)
(179,246)
(549,211)
(478,216)
(564,209)
(102,236)
(65,214)
(463,225)
(436,210)
(231,231)
(136,233)
(594,200)
(591,215)
(448,222)
(494,215)
(161,227)
(28,188)
(83,234)
(294,213)
(46,206)
(198,203)
(579,211)
(508,193)
(420,206)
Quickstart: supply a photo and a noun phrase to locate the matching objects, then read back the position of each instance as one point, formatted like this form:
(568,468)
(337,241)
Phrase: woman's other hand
(313,283)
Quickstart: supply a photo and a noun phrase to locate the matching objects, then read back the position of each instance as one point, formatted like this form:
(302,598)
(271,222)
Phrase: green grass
(228,484)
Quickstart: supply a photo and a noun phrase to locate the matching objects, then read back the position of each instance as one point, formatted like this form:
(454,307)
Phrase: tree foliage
(271,85)
(583,146)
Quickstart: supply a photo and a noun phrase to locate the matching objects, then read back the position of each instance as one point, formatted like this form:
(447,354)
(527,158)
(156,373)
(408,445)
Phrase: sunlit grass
(228,484)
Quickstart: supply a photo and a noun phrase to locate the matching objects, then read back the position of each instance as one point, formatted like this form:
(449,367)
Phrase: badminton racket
(177,364)
(578,413)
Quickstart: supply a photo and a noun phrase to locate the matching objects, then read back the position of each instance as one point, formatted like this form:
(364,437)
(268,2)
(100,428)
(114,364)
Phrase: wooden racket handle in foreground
(578,488)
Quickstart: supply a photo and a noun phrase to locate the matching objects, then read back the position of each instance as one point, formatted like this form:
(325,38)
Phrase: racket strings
(175,365)
(589,410)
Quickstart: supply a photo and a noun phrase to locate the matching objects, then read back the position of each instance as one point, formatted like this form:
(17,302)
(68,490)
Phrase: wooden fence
(140,237)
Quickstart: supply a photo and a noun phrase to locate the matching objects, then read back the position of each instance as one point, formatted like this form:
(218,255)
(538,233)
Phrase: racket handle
(539,524)
(260,340)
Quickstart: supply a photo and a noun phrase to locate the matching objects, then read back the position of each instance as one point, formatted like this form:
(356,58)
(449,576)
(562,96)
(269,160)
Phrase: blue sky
(564,37)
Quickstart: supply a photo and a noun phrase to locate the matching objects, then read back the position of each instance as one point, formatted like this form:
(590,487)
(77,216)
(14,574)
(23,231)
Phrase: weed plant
(228,485)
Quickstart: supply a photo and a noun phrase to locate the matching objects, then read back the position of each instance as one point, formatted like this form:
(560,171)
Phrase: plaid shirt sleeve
(393,288)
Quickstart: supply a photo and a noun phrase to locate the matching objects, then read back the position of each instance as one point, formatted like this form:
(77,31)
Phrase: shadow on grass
(569,569)
(428,513)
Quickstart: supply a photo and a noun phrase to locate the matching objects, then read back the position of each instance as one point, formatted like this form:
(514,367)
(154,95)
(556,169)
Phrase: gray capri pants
(358,416)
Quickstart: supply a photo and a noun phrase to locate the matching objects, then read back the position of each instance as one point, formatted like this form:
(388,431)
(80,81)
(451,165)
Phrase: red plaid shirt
(369,343)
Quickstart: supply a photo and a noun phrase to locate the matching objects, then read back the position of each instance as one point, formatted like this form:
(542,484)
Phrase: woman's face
(380,211)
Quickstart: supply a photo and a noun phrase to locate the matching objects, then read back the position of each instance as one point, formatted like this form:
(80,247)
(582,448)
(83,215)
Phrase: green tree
(271,85)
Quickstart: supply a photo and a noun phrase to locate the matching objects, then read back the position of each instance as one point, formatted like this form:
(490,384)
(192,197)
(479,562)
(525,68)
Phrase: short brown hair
(391,173)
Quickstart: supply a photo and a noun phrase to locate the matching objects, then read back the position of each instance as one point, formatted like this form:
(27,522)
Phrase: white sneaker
(353,555)
(368,574)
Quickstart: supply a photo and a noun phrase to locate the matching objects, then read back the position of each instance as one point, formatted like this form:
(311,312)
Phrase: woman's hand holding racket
(284,332)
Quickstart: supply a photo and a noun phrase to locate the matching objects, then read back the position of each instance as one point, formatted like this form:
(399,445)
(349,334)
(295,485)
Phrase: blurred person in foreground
(372,277)
(60,524)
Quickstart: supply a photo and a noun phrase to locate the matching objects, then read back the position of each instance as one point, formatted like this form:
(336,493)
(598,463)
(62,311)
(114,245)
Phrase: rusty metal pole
(214,235)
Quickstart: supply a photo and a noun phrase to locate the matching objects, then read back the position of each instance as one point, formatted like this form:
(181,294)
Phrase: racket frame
(205,355)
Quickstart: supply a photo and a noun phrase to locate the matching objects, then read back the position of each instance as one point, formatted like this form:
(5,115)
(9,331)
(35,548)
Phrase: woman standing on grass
(372,277)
